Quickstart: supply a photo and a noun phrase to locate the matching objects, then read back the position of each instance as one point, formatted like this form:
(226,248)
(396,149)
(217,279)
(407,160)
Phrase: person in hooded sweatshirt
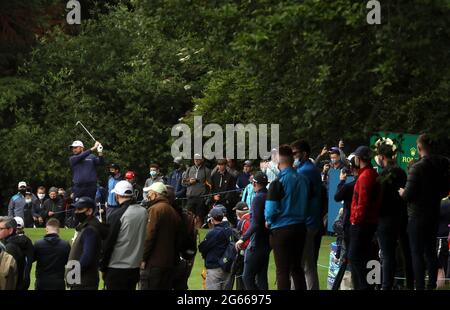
(51,255)
(19,246)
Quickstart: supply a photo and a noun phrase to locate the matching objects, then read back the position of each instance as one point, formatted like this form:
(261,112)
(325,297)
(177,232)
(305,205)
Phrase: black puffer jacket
(428,182)
(21,248)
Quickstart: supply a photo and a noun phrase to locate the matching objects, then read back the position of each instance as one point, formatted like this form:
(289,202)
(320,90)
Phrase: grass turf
(195,280)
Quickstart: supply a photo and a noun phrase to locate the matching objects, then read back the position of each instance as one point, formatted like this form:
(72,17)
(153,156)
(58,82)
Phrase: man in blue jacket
(83,165)
(212,249)
(114,178)
(301,151)
(286,211)
(257,253)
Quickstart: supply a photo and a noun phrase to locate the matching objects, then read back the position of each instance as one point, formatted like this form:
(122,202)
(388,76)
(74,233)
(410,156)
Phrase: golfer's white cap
(123,188)
(77,143)
(158,187)
(198,156)
(19,221)
(22,184)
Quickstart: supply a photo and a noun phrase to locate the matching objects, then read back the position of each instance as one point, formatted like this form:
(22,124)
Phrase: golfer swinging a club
(83,164)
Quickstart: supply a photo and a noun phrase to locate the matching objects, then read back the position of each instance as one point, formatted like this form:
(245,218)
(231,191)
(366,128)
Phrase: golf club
(80,123)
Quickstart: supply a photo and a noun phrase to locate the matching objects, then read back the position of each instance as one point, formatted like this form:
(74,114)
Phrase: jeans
(359,253)
(391,234)
(256,263)
(422,233)
(287,243)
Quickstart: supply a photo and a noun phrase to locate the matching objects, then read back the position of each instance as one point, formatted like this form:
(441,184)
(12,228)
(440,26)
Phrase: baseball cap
(157,187)
(22,184)
(84,202)
(216,212)
(114,166)
(19,221)
(241,206)
(123,188)
(248,163)
(260,178)
(198,156)
(335,150)
(76,143)
(130,175)
(362,152)
(177,160)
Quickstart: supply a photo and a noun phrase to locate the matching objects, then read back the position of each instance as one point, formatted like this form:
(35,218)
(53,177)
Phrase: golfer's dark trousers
(422,233)
(287,244)
(121,279)
(84,190)
(359,253)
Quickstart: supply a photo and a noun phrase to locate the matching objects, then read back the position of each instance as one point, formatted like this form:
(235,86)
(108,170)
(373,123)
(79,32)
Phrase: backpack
(230,253)
(8,270)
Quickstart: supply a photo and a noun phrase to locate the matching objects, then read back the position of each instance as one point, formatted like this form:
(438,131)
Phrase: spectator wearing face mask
(17,202)
(155,176)
(114,178)
(38,207)
(27,210)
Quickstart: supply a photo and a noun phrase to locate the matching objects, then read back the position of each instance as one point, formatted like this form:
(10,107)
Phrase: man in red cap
(137,189)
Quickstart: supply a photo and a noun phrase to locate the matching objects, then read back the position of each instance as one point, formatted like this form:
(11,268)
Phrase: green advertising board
(405,143)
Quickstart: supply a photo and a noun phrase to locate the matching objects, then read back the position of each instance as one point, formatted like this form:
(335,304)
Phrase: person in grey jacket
(197,179)
(123,249)
(16,206)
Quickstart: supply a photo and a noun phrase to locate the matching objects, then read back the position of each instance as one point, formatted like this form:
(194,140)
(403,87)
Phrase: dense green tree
(134,68)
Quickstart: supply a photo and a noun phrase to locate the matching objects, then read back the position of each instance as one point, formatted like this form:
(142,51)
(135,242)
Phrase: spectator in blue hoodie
(83,165)
(114,178)
(212,249)
(302,151)
(286,211)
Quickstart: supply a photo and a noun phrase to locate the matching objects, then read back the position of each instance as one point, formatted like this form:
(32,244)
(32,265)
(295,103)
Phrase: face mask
(153,173)
(379,162)
(22,191)
(334,161)
(41,196)
(296,163)
(81,217)
(28,200)
(112,173)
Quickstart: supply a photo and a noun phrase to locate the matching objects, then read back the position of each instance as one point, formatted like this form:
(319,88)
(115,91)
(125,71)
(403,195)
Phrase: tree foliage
(136,67)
